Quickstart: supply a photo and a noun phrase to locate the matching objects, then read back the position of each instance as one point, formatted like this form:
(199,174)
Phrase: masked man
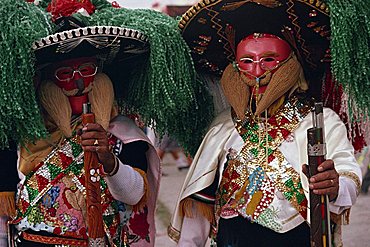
(247,184)
(75,65)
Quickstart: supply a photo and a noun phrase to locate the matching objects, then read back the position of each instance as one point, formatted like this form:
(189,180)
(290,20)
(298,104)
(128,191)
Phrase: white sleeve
(195,231)
(127,185)
(340,150)
(347,196)
(3,231)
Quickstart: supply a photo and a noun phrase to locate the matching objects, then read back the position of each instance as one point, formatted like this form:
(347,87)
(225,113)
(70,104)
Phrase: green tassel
(350,42)
(21,24)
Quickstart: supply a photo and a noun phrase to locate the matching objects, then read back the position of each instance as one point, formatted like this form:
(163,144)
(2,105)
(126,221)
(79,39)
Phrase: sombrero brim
(106,42)
(204,27)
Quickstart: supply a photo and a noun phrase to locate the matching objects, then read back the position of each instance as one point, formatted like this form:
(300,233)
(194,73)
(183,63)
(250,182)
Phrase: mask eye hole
(246,60)
(87,69)
(64,73)
(268,59)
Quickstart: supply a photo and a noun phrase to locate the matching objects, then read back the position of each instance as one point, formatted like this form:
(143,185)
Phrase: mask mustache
(283,80)
(77,91)
(252,82)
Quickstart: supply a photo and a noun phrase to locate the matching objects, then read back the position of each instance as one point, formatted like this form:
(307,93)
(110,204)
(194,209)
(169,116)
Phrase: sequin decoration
(249,179)
(53,197)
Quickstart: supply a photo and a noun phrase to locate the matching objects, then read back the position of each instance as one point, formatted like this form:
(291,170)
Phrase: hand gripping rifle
(319,211)
(94,212)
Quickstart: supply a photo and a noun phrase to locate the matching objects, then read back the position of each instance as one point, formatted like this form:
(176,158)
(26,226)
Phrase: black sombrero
(212,28)
(330,38)
(74,39)
(141,50)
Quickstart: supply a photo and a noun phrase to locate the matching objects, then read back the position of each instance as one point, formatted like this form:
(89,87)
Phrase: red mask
(259,57)
(74,77)
(260,53)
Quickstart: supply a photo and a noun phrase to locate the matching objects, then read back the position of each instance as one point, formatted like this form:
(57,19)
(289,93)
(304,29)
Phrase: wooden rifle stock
(319,212)
(94,212)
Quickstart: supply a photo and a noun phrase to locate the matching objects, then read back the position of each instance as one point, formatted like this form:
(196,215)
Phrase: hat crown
(67,23)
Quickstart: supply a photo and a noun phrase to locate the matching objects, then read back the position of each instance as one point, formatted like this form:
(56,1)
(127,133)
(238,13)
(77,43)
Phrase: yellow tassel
(206,210)
(142,203)
(235,90)
(7,202)
(101,98)
(57,106)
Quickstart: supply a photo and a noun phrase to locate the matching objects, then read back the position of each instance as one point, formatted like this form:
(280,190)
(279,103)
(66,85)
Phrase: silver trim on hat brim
(88,33)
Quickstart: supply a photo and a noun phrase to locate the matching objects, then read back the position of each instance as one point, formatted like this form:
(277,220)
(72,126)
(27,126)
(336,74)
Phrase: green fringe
(21,24)
(164,90)
(168,93)
(350,42)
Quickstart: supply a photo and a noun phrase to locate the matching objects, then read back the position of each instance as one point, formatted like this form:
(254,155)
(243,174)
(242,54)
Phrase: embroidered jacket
(51,196)
(223,145)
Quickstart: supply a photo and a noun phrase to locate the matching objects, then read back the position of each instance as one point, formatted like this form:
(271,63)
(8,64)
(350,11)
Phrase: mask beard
(235,85)
(73,92)
(102,99)
(235,90)
(287,77)
(57,106)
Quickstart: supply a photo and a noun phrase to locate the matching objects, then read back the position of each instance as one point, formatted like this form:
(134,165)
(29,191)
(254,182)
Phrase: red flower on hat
(115,5)
(63,8)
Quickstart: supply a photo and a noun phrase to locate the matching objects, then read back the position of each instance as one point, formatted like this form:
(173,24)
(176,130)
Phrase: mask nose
(80,86)
(257,70)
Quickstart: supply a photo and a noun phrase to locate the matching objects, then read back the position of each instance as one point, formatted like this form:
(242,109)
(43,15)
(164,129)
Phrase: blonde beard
(59,111)
(287,78)
(73,92)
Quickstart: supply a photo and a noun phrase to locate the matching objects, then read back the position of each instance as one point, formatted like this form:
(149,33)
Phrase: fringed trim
(143,201)
(7,202)
(341,219)
(201,208)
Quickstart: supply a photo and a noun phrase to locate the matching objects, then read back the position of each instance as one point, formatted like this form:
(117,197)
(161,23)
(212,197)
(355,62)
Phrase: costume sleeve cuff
(347,196)
(195,230)
(127,185)
(3,230)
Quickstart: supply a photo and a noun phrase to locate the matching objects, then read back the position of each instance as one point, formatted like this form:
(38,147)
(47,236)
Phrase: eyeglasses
(247,64)
(67,73)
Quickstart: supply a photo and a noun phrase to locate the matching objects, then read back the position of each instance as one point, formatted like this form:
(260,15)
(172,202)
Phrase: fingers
(94,138)
(326,171)
(326,165)
(326,181)
(323,184)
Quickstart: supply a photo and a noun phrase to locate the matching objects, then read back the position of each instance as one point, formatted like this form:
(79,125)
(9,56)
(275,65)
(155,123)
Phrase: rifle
(320,235)
(94,212)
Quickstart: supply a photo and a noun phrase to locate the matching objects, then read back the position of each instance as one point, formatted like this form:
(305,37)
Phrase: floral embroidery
(70,222)
(251,176)
(52,199)
(139,226)
(95,175)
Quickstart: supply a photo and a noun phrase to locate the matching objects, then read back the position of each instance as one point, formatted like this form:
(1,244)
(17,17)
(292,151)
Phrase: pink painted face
(258,54)
(74,74)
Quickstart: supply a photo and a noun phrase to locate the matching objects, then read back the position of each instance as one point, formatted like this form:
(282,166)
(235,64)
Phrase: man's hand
(94,138)
(326,181)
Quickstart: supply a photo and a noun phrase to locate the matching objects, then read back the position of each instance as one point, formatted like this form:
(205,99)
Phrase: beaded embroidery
(52,199)
(250,178)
